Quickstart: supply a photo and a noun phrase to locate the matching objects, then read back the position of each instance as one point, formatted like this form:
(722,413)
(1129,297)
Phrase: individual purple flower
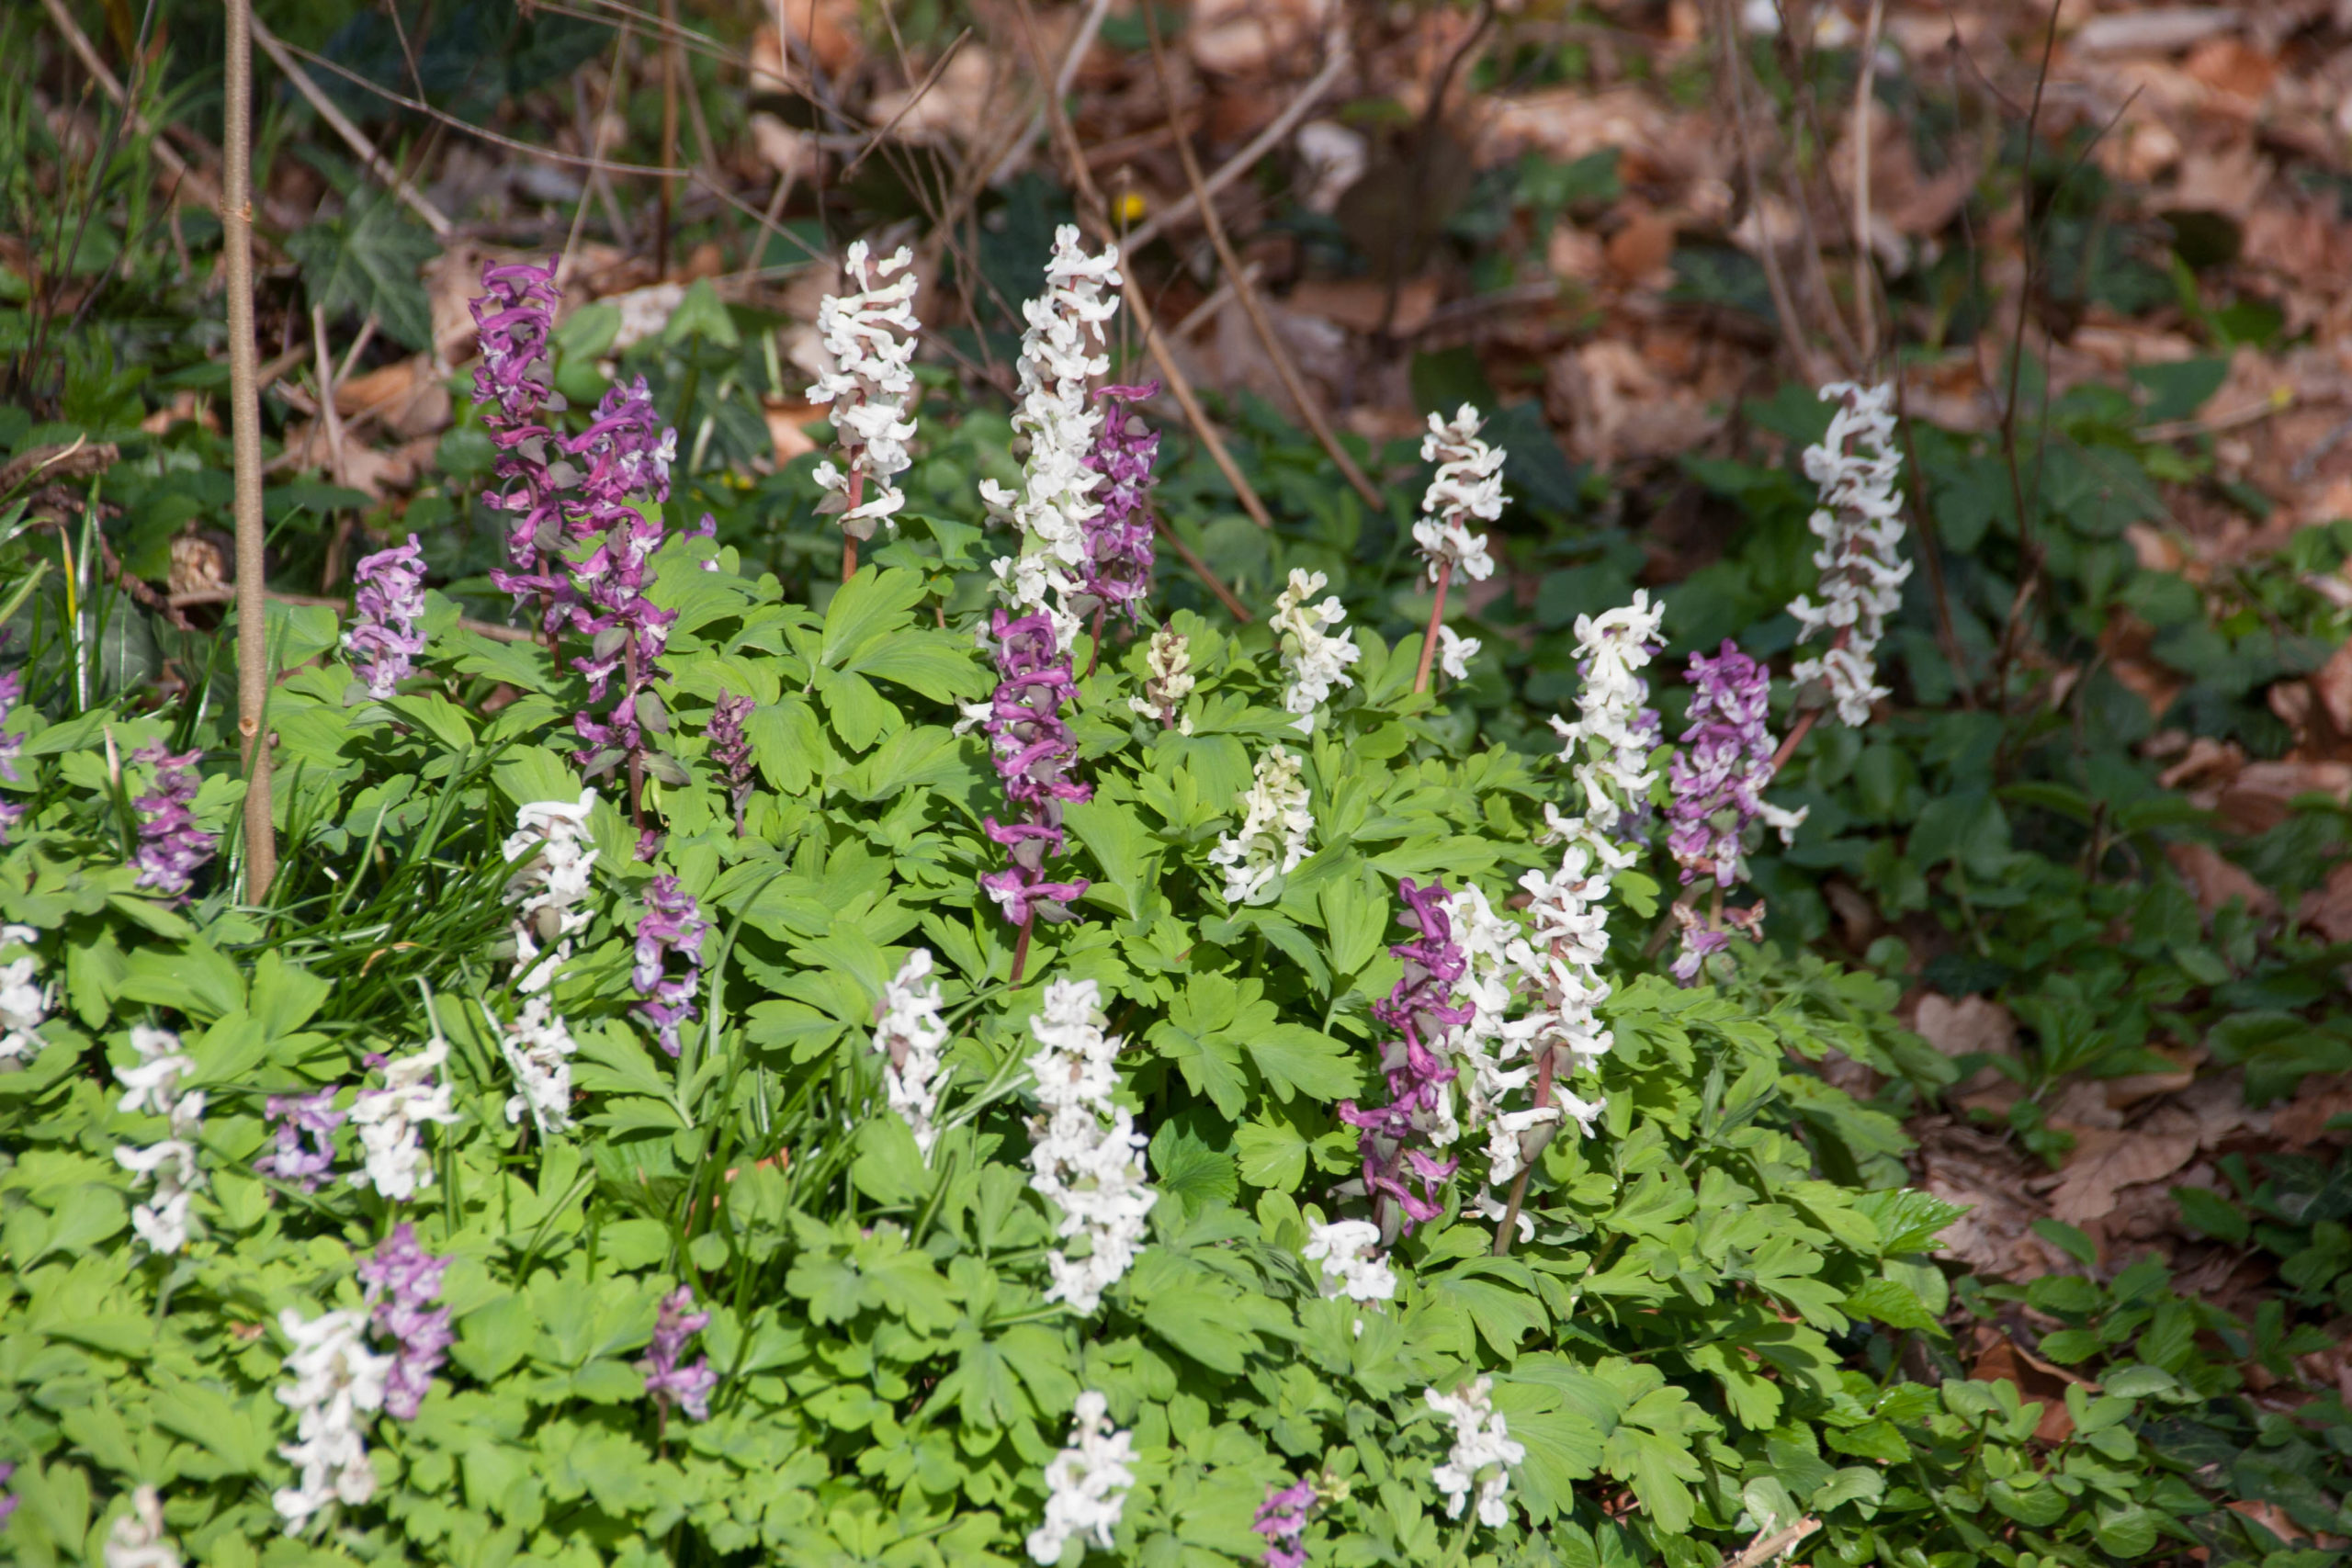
(403,1281)
(667,1382)
(731,750)
(1033,749)
(172,847)
(390,601)
(1281,1519)
(294,1117)
(1719,777)
(1118,538)
(671,923)
(1403,1180)
(12,691)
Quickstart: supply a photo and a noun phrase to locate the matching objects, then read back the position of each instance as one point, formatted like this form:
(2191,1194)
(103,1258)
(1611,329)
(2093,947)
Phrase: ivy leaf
(366,264)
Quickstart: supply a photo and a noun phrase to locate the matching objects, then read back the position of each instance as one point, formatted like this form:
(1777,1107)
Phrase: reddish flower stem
(1437,619)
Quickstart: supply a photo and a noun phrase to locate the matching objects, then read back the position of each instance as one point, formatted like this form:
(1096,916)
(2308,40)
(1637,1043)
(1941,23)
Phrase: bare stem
(1437,619)
(1797,732)
(245,413)
(1509,1226)
(1020,955)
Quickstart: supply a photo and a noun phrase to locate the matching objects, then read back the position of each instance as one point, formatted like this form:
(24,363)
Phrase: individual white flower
(1860,524)
(169,1165)
(337,1380)
(1468,483)
(870,335)
(1313,659)
(538,1048)
(1085,1156)
(909,1035)
(138,1539)
(1610,743)
(1482,1455)
(1349,1251)
(1087,1483)
(391,1120)
(1456,651)
(1272,840)
(25,998)
(1169,680)
(552,857)
(1061,351)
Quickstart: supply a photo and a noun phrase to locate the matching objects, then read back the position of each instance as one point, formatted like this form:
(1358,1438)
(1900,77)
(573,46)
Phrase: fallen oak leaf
(2105,1161)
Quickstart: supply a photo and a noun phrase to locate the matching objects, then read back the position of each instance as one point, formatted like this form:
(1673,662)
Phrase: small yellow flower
(1130,207)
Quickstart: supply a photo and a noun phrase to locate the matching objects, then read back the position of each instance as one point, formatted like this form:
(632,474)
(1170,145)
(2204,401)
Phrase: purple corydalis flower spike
(1118,538)
(294,1117)
(1418,1076)
(384,638)
(513,320)
(1281,1519)
(12,691)
(402,1280)
(731,750)
(172,847)
(671,923)
(1719,777)
(1033,749)
(667,1382)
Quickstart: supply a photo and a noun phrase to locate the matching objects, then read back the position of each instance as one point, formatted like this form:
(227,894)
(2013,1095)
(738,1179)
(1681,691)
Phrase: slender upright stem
(855,460)
(1797,732)
(245,415)
(1508,1229)
(1437,619)
(668,133)
(1020,955)
(1094,653)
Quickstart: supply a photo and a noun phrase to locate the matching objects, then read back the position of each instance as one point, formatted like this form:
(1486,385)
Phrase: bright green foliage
(1685,1350)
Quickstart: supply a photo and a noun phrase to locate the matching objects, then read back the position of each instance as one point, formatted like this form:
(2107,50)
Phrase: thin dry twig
(328,414)
(1098,218)
(1779,1543)
(1336,57)
(416,201)
(922,91)
(200,186)
(1865,304)
(1310,408)
(1783,303)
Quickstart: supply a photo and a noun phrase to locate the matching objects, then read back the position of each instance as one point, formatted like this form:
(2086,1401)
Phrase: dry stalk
(1784,306)
(1310,408)
(245,413)
(352,137)
(1865,276)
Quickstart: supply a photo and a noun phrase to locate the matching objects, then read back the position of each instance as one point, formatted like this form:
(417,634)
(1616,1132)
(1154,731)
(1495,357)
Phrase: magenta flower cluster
(667,1382)
(1718,777)
(1281,1519)
(384,640)
(403,1281)
(671,923)
(293,1119)
(600,492)
(1033,749)
(1118,538)
(172,847)
(1396,1171)
(12,691)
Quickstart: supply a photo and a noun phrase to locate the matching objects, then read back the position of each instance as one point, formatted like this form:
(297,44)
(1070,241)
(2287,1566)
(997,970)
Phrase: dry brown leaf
(1964,1026)
(198,564)
(1642,249)
(2303,1120)
(2260,796)
(1357,303)
(2106,1160)
(2035,1379)
(1236,37)
(787,419)
(2217,880)
(2327,909)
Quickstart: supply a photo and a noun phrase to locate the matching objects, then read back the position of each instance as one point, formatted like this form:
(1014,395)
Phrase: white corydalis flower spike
(25,998)
(1468,484)
(553,858)
(1085,1157)
(1316,654)
(870,334)
(1608,745)
(909,1035)
(1168,681)
(1086,1484)
(1272,840)
(1482,1455)
(538,1048)
(1349,1254)
(168,1164)
(391,1122)
(1860,523)
(1061,351)
(338,1382)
